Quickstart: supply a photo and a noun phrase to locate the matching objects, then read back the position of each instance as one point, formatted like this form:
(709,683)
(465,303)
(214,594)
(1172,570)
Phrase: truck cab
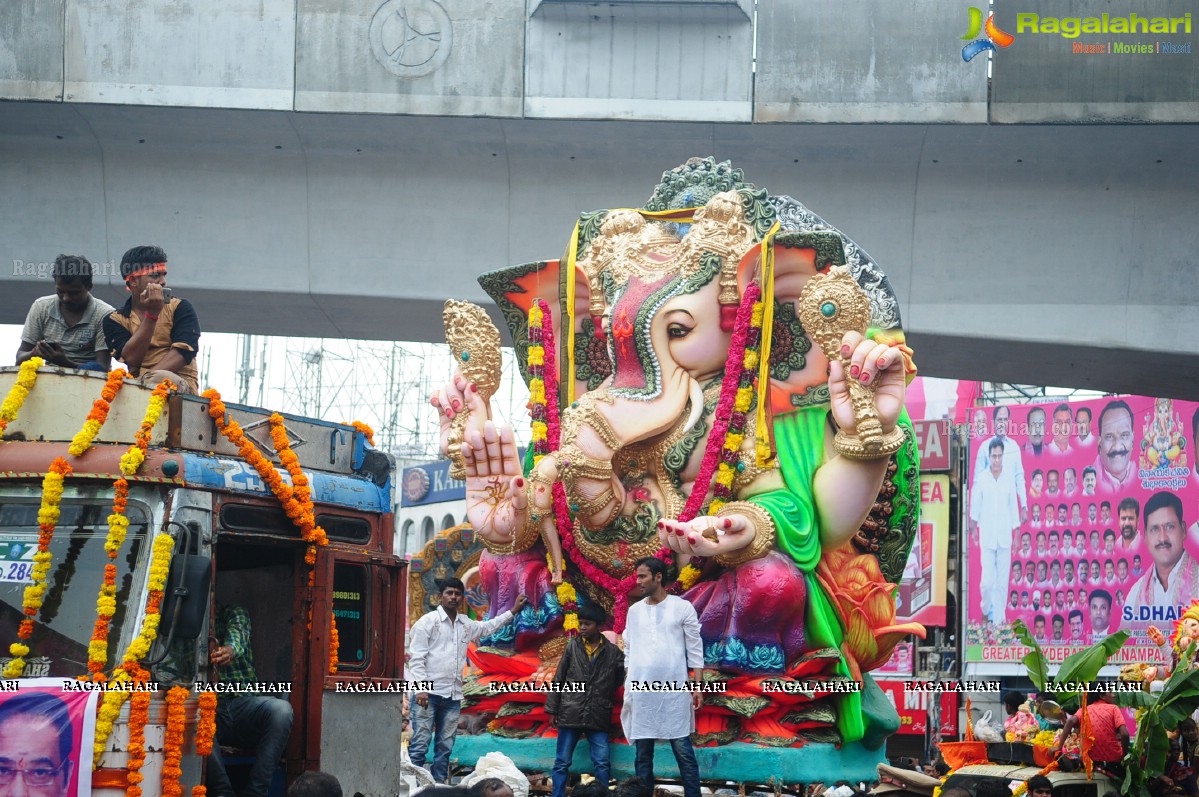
(233,544)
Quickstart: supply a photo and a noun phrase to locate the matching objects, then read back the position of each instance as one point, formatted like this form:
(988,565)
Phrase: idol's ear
(797,368)
(516,288)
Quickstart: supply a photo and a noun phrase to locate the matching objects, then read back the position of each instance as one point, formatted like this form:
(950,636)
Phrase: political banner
(912,705)
(47,728)
(1082,522)
(902,663)
(921,594)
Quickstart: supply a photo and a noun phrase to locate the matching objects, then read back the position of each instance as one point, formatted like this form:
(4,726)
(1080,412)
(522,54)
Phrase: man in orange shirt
(1108,730)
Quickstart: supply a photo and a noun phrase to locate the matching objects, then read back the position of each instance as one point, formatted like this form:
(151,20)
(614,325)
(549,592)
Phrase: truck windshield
(64,627)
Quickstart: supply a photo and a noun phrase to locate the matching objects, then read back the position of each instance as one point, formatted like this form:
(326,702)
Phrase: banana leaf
(1082,667)
(1134,700)
(1034,660)
(1177,700)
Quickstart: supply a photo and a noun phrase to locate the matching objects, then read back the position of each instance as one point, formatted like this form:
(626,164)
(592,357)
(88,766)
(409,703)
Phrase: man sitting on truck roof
(155,334)
(67,328)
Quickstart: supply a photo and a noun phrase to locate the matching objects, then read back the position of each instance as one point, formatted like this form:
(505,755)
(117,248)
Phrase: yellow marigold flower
(567,593)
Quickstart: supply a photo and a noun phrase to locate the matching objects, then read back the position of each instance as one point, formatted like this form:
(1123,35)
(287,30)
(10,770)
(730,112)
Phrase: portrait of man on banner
(42,733)
(1110,548)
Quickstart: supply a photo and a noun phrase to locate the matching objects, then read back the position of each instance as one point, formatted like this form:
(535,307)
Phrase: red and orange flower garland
(296,502)
(35,592)
(298,505)
(367,432)
(334,645)
(206,724)
(139,717)
(98,413)
(118,527)
(173,748)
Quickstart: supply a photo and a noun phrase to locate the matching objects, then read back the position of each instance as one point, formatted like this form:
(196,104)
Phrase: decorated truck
(129,515)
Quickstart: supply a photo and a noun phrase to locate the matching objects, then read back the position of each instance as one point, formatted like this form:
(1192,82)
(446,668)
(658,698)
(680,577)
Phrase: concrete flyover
(316,167)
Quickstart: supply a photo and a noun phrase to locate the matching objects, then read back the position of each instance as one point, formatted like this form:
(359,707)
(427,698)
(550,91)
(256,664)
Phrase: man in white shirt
(1082,420)
(1070,477)
(1174,577)
(438,654)
(1063,421)
(1013,460)
(994,516)
(661,644)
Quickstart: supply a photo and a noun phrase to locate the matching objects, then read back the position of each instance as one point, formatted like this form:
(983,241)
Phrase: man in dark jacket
(590,659)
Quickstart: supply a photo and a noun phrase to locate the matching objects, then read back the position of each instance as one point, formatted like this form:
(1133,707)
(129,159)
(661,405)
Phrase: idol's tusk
(697,404)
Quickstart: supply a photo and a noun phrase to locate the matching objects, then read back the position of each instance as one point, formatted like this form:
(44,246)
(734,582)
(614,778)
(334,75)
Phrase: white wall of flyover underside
(1036,254)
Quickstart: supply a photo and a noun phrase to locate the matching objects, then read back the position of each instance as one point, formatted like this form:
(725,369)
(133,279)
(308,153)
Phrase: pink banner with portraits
(1082,521)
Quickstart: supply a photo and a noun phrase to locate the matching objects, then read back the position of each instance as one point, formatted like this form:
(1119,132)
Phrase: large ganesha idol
(681,410)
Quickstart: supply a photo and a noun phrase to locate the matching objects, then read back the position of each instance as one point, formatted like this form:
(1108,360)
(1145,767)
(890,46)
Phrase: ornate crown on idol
(629,245)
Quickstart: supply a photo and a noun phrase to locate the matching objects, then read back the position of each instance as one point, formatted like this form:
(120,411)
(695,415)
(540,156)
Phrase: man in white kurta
(661,643)
(994,518)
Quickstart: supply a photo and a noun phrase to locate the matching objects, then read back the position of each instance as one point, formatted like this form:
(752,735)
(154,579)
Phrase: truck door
(365,596)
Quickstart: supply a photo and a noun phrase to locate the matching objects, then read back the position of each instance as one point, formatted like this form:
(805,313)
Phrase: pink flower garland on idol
(742,331)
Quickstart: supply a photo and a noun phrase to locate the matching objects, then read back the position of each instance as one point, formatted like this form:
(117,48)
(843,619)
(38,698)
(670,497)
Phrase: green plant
(1078,669)
(1157,715)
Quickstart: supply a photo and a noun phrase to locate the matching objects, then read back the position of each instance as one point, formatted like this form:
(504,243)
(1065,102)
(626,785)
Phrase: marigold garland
(173,748)
(199,791)
(139,717)
(35,592)
(367,432)
(688,576)
(98,414)
(17,394)
(297,498)
(206,724)
(334,645)
(132,459)
(106,601)
(300,508)
(537,387)
(131,669)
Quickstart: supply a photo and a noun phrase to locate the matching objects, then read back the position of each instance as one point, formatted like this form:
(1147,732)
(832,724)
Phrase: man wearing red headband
(155,334)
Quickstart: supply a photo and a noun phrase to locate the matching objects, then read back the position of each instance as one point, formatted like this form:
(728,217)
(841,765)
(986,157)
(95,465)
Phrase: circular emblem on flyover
(411,38)
(416,484)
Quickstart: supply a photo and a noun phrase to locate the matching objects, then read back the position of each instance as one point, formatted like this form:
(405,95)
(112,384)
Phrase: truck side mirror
(185,601)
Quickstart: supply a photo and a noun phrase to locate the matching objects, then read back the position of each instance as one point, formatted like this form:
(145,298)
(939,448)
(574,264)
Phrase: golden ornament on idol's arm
(764,533)
(576,467)
(475,343)
(830,305)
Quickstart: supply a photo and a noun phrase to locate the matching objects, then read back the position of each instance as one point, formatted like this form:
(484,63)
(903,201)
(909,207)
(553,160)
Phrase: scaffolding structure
(994,393)
(386,385)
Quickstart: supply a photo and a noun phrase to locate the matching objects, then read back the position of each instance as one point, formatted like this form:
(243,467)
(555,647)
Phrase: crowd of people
(156,335)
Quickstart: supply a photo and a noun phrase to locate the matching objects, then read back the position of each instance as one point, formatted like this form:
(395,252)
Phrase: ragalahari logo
(995,37)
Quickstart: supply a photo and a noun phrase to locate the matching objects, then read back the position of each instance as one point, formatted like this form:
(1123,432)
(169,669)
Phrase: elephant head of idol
(665,304)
